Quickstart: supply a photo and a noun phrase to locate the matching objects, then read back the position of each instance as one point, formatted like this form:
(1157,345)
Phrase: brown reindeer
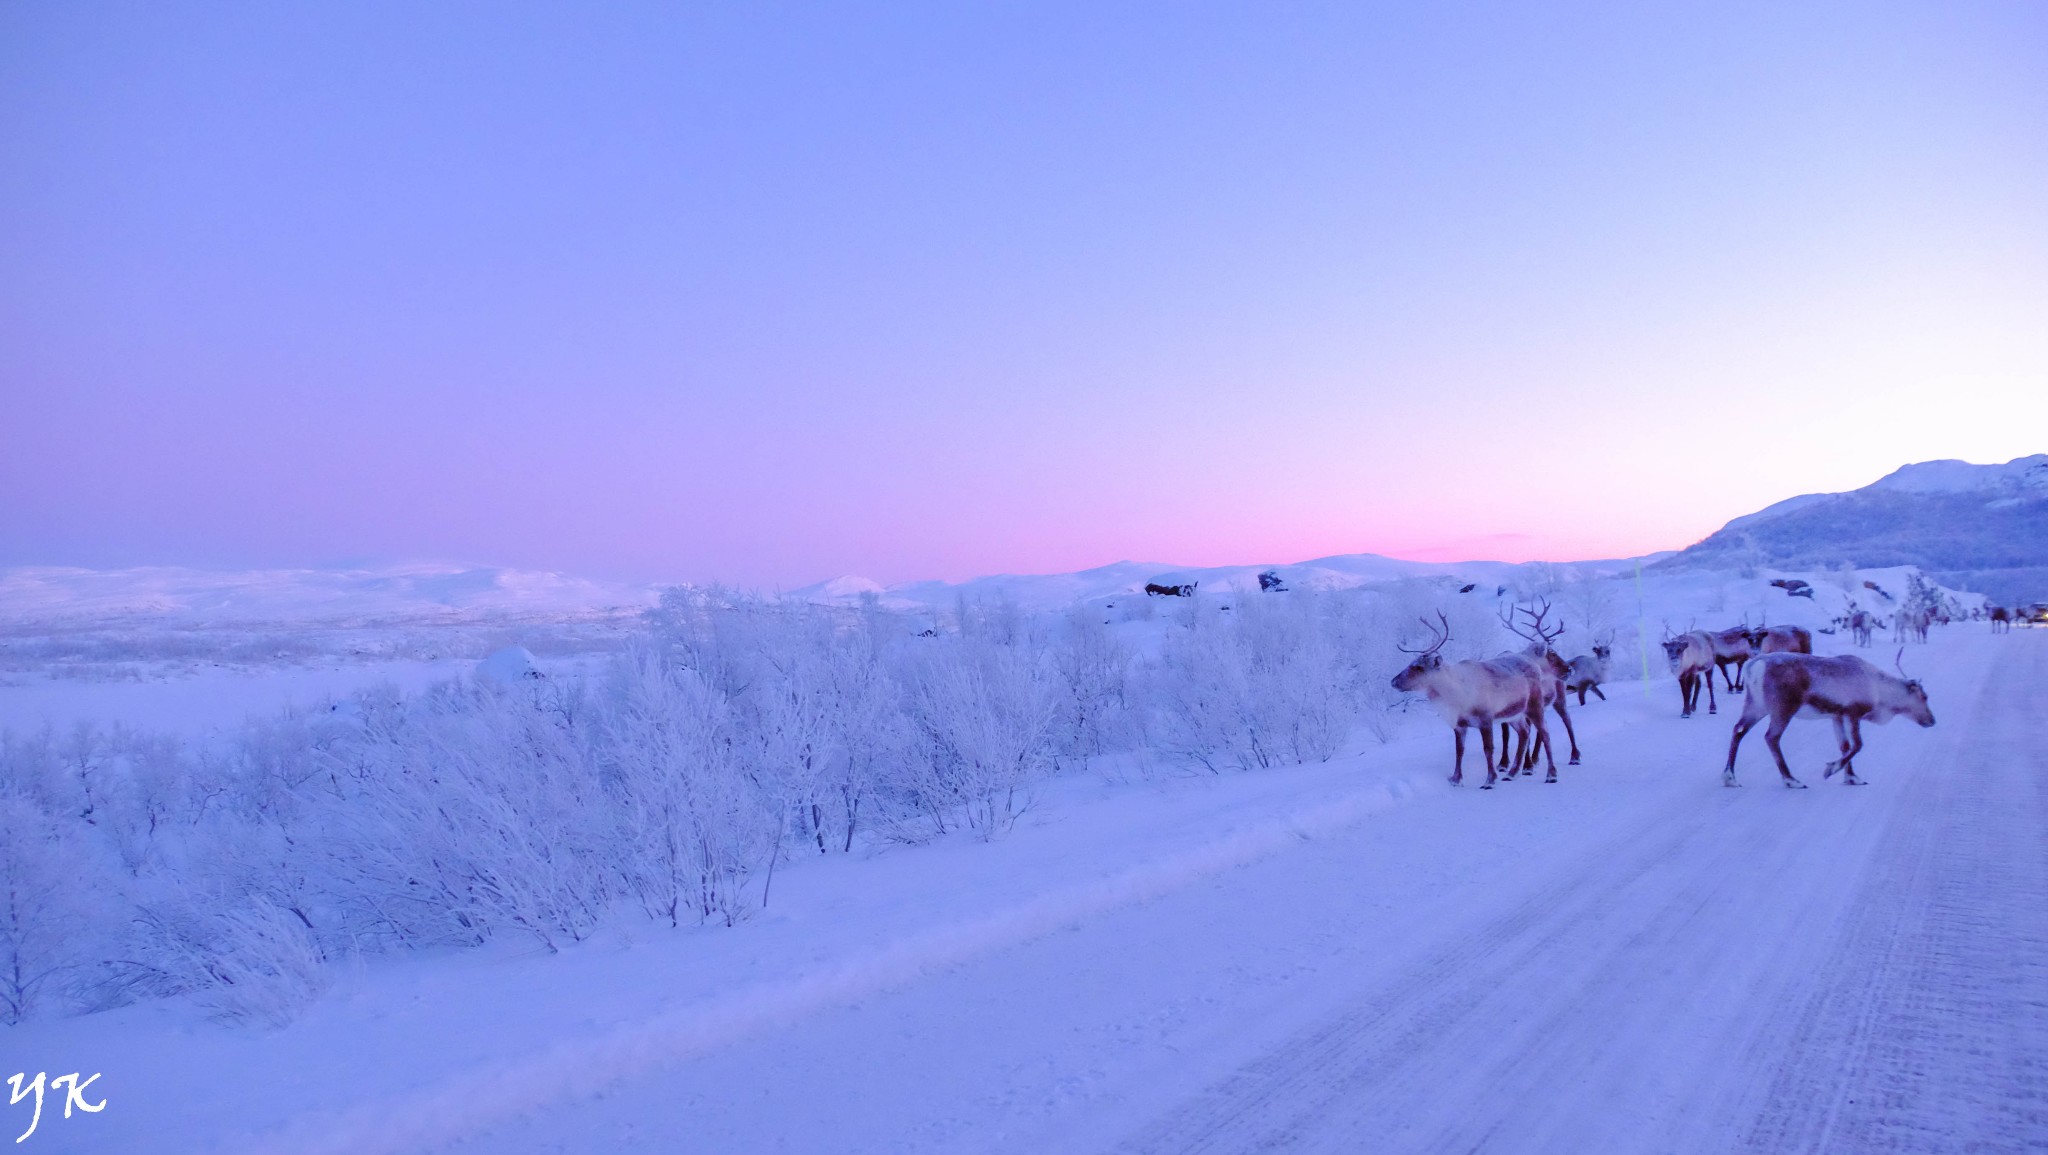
(1473,693)
(2001,620)
(1847,689)
(1692,659)
(1731,648)
(1781,640)
(1547,672)
(1861,625)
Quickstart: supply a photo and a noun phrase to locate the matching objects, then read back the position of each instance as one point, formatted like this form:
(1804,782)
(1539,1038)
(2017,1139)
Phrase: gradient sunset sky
(772,292)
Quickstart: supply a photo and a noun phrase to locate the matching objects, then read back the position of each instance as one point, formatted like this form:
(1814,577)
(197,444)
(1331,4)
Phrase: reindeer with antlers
(1547,672)
(1692,658)
(1473,693)
(1847,689)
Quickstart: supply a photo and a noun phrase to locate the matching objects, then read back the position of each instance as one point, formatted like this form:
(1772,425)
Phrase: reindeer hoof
(1794,784)
(1573,762)
(1552,779)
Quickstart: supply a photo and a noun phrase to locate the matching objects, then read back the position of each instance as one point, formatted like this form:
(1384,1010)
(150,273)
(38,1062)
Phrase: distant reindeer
(1847,689)
(1861,626)
(1185,590)
(2001,620)
(1780,640)
(1692,658)
(1731,648)
(1588,671)
(1473,693)
(1909,624)
(1546,670)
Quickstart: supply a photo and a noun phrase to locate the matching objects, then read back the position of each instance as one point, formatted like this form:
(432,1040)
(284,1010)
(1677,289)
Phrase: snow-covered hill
(1975,527)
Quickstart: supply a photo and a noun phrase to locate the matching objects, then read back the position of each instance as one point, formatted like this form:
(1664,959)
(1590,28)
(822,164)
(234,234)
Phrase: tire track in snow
(1616,1010)
(1933,1033)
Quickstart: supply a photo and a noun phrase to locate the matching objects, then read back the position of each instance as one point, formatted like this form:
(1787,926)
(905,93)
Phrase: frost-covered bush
(731,734)
(983,715)
(1272,680)
(47,900)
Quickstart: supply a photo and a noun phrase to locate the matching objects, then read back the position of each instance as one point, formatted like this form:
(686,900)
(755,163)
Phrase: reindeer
(1692,659)
(1587,671)
(1861,625)
(2001,620)
(1473,693)
(1731,647)
(1910,624)
(1547,672)
(1781,640)
(1847,689)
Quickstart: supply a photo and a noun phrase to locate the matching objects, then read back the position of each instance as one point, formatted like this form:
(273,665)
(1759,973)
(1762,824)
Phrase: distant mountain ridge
(413,592)
(1048,591)
(1974,527)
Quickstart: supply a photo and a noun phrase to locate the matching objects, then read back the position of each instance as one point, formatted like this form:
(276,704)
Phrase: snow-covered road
(1633,960)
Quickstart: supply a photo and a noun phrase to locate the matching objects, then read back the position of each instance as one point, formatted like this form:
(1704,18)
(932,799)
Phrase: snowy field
(1341,955)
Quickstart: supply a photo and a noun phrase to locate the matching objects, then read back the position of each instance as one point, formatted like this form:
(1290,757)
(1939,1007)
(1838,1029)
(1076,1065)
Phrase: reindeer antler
(1440,637)
(1536,623)
(1540,635)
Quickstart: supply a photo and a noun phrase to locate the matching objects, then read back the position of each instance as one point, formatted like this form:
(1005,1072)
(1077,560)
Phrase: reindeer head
(1602,651)
(1427,661)
(1674,650)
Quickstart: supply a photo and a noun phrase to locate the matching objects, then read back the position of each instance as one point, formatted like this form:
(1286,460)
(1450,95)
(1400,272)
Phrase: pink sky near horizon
(916,292)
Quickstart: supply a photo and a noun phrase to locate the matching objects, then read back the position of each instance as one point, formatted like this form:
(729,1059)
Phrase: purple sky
(768,293)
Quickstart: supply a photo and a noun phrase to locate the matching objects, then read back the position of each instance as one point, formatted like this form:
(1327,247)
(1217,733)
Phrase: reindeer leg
(1685,694)
(1712,708)
(1854,748)
(1596,693)
(1570,735)
(1503,748)
(1841,748)
(1486,740)
(1743,726)
(1458,763)
(1543,739)
(1772,733)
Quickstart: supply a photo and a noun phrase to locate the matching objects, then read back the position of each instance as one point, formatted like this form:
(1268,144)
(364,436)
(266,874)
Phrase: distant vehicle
(2034,614)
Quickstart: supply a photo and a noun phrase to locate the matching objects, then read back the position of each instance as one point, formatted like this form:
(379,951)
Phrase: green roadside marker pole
(1642,625)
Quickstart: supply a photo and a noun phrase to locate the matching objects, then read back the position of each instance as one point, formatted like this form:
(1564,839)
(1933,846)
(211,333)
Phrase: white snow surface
(1350,956)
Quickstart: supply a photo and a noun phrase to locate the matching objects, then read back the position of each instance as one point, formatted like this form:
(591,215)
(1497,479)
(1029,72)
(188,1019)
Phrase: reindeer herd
(1773,667)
